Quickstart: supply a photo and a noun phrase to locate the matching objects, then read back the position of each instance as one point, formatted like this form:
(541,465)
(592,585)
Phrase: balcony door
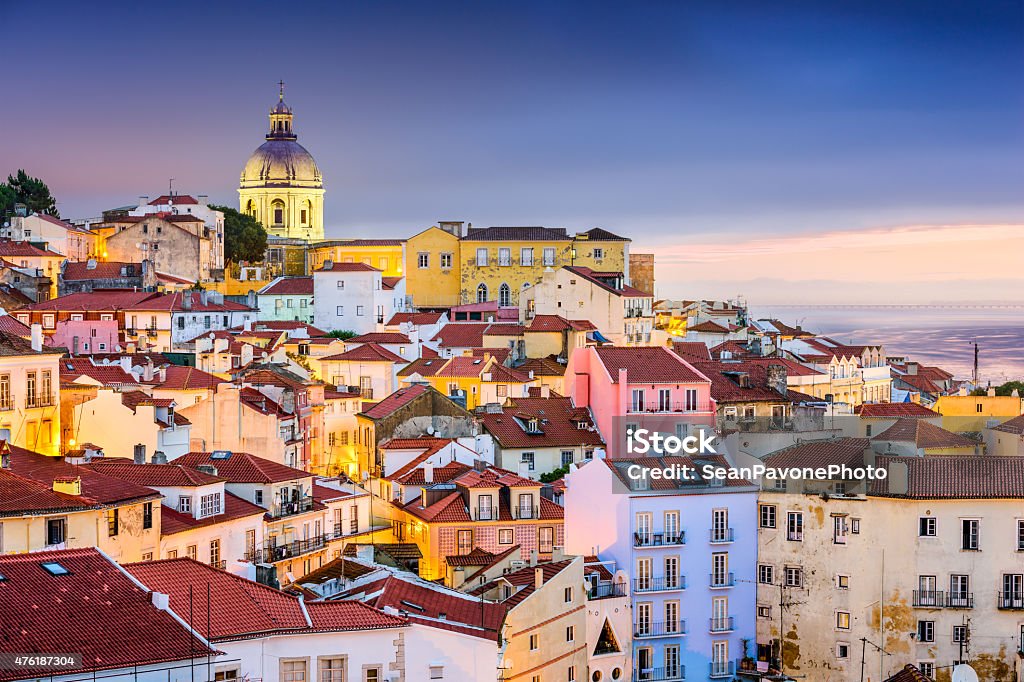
(486,510)
(1013,590)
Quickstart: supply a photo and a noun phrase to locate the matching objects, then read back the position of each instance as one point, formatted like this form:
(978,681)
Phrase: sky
(789,152)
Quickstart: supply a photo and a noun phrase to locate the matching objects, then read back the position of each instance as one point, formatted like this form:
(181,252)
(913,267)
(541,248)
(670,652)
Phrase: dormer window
(533,425)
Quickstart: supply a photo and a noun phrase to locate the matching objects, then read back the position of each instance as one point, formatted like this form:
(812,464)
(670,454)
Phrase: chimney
(186,300)
(163,374)
(159,457)
(161,601)
(247,325)
(538,577)
(143,200)
(140,453)
(328,264)
(428,473)
(898,477)
(90,264)
(37,337)
(545,391)
(990,392)
(204,296)
(777,378)
(479,465)
(250,299)
(203,199)
(623,376)
(912,367)
(69,485)
(147,371)
(207,469)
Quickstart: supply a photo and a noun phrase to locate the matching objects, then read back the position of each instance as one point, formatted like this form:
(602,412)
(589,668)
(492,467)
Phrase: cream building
(281,185)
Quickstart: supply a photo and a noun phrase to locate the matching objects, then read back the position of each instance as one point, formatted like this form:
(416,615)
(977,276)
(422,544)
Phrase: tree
(245,239)
(341,334)
(27,190)
(554,475)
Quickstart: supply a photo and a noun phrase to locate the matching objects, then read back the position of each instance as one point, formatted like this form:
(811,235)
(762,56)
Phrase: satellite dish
(964,673)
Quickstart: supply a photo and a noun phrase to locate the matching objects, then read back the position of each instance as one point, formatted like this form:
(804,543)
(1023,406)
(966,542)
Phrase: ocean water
(942,335)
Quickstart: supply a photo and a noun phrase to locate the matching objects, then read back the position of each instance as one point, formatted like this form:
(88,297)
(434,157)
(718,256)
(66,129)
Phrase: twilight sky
(790,151)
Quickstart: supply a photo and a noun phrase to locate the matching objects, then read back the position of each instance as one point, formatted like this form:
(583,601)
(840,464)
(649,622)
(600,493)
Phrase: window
(215,552)
(293,671)
(546,540)
(795,526)
(485,508)
(637,404)
(766,574)
(720,525)
(191,552)
(842,650)
(113,527)
(360,310)
(926,630)
(30,391)
(855,526)
(505,536)
(567,457)
(209,505)
(373,674)
(534,642)
(969,534)
(423,260)
(960,592)
(959,634)
(571,676)
(690,396)
(927,669)
(794,576)
(527,458)
(446,261)
(598,254)
(926,527)
(843,620)
(570,633)
(341,284)
(465,542)
(226,675)
(339,311)
(147,515)
(568,596)
(481,293)
(549,255)
(1020,535)
(56,531)
(768,512)
(504,256)
(504,295)
(526,256)
(332,670)
(842,582)
(481,257)
(257,497)
(764,612)
(839,529)
(720,570)
(437,672)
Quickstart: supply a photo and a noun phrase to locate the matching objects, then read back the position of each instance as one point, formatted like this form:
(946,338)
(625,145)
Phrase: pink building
(85,337)
(640,383)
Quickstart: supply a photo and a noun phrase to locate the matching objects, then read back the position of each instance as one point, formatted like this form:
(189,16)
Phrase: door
(1013,591)
(926,595)
(643,573)
(645,664)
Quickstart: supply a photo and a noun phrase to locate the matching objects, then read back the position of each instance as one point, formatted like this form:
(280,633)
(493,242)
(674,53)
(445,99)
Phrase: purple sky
(673,123)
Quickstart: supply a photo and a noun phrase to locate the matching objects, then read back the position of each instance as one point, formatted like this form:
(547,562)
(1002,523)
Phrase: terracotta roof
(289,286)
(477,557)
(368,352)
(176,199)
(414,318)
(434,605)
(75,271)
(504,329)
(373,242)
(172,521)
(543,367)
(919,382)
(901,410)
(396,400)
(106,300)
(558,423)
(1014,426)
(14,345)
(97,488)
(923,434)
(597,234)
(36,607)
(390,282)
(348,267)
(427,446)
(462,334)
(691,350)
(255,400)
(499,354)
(153,475)
(648,365)
(183,378)
(241,467)
(593,277)
(336,568)
(517,234)
(287,325)
(909,674)
(108,375)
(173,303)
(12,325)
(955,477)
(495,559)
(380,337)
(416,476)
(425,367)
(10,249)
(464,366)
(557,323)
(20,495)
(525,580)
(727,377)
(821,453)
(708,327)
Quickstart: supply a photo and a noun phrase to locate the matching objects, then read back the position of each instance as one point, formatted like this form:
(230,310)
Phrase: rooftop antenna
(975,364)
(170,188)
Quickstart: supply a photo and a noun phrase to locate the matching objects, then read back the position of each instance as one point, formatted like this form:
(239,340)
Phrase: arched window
(278,211)
(306,214)
(250,208)
(481,293)
(504,296)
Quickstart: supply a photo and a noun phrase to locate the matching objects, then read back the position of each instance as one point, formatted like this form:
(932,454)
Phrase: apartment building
(30,392)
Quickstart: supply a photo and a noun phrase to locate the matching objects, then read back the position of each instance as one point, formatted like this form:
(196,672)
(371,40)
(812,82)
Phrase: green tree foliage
(341,334)
(25,189)
(1004,390)
(553,476)
(245,239)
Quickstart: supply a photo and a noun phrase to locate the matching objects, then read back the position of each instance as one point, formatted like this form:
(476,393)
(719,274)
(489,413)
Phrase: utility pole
(864,641)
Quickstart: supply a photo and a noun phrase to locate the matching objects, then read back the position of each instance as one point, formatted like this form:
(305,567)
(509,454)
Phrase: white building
(355,297)
(183,204)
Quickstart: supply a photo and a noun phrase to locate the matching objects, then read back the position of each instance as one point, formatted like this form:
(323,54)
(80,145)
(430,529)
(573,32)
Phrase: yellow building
(432,260)
(281,185)
(387,255)
(480,379)
(975,412)
(602,251)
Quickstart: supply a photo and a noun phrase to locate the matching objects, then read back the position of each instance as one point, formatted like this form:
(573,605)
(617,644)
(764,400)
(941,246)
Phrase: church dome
(281,162)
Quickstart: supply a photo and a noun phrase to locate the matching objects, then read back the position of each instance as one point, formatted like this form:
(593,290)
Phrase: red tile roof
(416,476)
(923,434)
(97,488)
(708,327)
(592,277)
(348,267)
(900,410)
(9,249)
(380,337)
(11,325)
(100,595)
(919,382)
(691,350)
(106,300)
(559,424)
(241,467)
(955,477)
(75,271)
(368,352)
(543,367)
(173,302)
(153,475)
(525,580)
(287,325)
(462,335)
(909,673)
(183,378)
(176,199)
(1014,426)
(173,521)
(20,495)
(821,453)
(530,233)
(648,365)
(72,369)
(414,318)
(396,400)
(289,286)
(425,367)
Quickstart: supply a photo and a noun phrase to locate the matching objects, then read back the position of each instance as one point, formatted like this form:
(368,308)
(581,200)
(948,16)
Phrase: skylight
(53,568)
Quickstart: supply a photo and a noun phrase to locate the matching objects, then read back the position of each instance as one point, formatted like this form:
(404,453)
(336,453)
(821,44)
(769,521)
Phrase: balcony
(607,591)
(717,581)
(40,400)
(660,674)
(929,599)
(291,507)
(720,669)
(1012,601)
(671,408)
(660,539)
(272,552)
(722,624)
(667,629)
(485,514)
(664,584)
(6,403)
(222,564)
(525,513)
(722,536)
